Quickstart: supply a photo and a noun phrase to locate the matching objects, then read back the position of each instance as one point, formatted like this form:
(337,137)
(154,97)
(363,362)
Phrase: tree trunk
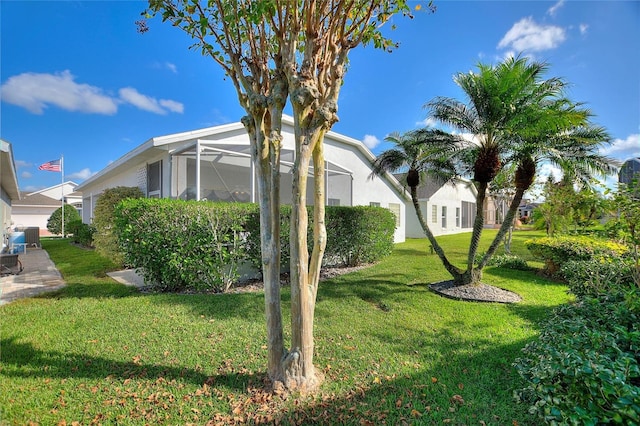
(299,371)
(525,173)
(454,271)
(511,214)
(266,153)
(473,274)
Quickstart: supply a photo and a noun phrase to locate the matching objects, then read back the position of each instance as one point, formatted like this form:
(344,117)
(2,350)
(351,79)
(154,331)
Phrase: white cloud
(172,106)
(526,34)
(427,122)
(583,28)
(22,163)
(546,169)
(165,66)
(81,175)
(26,175)
(171,67)
(147,103)
(623,149)
(370,141)
(35,92)
(553,9)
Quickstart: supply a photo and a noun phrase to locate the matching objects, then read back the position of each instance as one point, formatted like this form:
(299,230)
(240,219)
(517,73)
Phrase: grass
(392,352)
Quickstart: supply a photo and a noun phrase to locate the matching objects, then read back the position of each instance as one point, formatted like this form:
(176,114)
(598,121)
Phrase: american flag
(51,166)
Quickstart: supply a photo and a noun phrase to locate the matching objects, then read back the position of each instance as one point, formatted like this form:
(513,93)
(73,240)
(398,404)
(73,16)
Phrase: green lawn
(392,351)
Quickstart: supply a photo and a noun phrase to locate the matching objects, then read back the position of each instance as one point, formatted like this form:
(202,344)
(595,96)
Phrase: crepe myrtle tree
(273,51)
(512,117)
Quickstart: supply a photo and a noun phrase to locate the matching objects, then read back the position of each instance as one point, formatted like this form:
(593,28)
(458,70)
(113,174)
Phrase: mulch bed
(475,293)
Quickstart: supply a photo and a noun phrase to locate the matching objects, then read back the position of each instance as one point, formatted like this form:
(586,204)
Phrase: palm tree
(420,153)
(515,118)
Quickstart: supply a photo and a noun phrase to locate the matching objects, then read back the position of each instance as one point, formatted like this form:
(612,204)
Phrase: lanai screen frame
(216,161)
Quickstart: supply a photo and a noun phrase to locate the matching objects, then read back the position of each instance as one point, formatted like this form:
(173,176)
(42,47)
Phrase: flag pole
(62,189)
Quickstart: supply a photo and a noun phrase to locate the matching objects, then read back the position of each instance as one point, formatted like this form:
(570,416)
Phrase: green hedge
(82,233)
(583,370)
(355,235)
(105,236)
(556,251)
(183,244)
(200,245)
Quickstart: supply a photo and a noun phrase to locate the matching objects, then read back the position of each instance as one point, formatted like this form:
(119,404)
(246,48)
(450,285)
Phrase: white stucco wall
(450,196)
(134,175)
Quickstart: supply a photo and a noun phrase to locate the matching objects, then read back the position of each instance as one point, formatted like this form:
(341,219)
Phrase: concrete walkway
(39,275)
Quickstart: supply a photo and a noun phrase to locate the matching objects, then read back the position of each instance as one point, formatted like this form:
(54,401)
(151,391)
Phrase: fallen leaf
(457,399)
(460,386)
(434,380)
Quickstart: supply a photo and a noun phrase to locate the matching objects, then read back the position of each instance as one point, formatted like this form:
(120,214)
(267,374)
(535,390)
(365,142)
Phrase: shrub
(54,223)
(104,237)
(594,278)
(508,261)
(82,233)
(584,367)
(355,235)
(358,235)
(183,244)
(555,251)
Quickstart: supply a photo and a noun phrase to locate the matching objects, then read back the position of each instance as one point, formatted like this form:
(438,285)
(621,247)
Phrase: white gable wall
(134,175)
(449,196)
(364,190)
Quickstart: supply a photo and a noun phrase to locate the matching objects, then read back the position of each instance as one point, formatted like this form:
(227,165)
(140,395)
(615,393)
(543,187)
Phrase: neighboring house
(525,210)
(9,192)
(629,170)
(35,208)
(215,164)
(447,208)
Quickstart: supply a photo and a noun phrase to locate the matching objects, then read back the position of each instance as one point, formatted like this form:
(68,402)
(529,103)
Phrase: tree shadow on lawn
(377,289)
(23,360)
(464,386)
(105,288)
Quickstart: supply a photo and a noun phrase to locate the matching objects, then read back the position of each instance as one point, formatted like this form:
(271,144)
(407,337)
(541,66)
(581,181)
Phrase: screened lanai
(223,171)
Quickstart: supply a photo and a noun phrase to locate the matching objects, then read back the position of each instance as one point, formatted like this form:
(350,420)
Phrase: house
(215,164)
(35,208)
(9,192)
(630,170)
(448,208)
(525,210)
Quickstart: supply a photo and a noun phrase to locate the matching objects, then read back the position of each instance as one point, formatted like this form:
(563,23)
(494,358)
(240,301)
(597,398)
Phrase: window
(374,204)
(434,214)
(457,217)
(468,212)
(154,180)
(395,209)
(333,202)
(444,216)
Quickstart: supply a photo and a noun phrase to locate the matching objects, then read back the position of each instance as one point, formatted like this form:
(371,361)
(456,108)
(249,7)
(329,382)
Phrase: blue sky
(78,80)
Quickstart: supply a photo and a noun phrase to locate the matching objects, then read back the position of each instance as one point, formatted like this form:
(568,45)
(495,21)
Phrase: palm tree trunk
(478,226)
(455,272)
(511,213)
